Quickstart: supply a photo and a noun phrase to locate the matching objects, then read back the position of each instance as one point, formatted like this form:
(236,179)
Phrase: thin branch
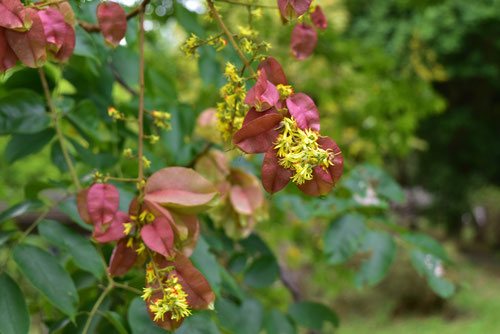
(229,35)
(291,286)
(141,93)
(121,81)
(59,133)
(248,4)
(92,28)
(96,306)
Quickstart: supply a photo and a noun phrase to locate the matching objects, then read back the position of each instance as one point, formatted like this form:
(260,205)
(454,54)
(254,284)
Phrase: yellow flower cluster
(115,114)
(298,150)
(285,91)
(231,111)
(190,45)
(161,119)
(174,299)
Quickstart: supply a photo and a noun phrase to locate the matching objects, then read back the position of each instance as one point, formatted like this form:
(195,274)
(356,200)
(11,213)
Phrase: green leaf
(382,250)
(20,209)
(79,247)
(68,206)
(277,322)
(22,111)
(344,237)
(139,320)
(242,319)
(312,315)
(21,146)
(198,323)
(116,321)
(432,269)
(188,20)
(426,244)
(87,119)
(47,276)
(366,178)
(262,272)
(206,262)
(14,318)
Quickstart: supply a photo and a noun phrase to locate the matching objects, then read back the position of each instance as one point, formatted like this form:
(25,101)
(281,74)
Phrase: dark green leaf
(139,320)
(312,315)
(116,320)
(277,322)
(426,244)
(188,20)
(21,146)
(79,247)
(20,209)
(382,250)
(14,318)
(57,157)
(262,272)
(344,236)
(29,78)
(242,319)
(432,269)
(68,206)
(47,275)
(22,111)
(198,323)
(206,262)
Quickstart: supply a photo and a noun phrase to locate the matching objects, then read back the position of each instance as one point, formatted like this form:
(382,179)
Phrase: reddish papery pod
(180,189)
(259,134)
(54,28)
(245,194)
(274,176)
(122,259)
(293,8)
(188,228)
(113,231)
(274,71)
(304,111)
(29,46)
(318,18)
(325,179)
(81,203)
(199,293)
(8,58)
(304,40)
(213,165)
(12,15)
(112,22)
(263,95)
(68,45)
(206,126)
(103,200)
(65,9)
(158,236)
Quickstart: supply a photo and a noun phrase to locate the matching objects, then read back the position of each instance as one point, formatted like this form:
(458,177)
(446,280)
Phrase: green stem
(141,95)
(229,35)
(57,126)
(96,306)
(248,4)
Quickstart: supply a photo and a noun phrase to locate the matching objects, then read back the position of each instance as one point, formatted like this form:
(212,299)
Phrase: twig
(96,306)
(121,81)
(248,4)
(57,126)
(229,35)
(294,290)
(141,93)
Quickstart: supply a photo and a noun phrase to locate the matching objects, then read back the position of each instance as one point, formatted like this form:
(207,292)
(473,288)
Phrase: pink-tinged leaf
(11,16)
(206,126)
(245,194)
(274,176)
(274,71)
(320,185)
(29,46)
(293,8)
(8,58)
(318,18)
(103,200)
(68,45)
(199,294)
(54,28)
(122,259)
(304,111)
(158,236)
(180,189)
(337,160)
(81,203)
(112,22)
(263,95)
(304,40)
(258,135)
(112,231)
